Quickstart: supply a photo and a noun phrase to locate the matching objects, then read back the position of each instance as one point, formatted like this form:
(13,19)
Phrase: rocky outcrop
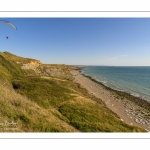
(60,71)
(34,65)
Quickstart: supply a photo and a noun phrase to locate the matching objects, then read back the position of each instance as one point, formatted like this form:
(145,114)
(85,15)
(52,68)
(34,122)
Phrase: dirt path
(126,110)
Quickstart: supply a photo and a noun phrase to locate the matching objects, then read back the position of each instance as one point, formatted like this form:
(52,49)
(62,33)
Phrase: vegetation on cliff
(43,98)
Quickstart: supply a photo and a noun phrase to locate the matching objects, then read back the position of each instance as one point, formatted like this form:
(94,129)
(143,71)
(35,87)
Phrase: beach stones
(138,114)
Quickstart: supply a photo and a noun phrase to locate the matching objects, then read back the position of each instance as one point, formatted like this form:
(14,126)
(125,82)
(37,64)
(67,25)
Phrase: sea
(134,80)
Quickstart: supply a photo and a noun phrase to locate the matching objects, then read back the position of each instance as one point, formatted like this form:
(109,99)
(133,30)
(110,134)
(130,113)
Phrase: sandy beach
(126,110)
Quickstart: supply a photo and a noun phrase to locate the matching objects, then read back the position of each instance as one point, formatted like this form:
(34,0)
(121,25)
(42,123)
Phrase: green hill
(36,97)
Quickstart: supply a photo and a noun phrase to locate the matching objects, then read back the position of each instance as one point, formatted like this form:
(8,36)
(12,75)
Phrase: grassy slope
(30,116)
(9,69)
(50,104)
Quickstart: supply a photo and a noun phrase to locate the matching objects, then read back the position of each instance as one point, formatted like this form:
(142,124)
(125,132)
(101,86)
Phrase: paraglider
(9,23)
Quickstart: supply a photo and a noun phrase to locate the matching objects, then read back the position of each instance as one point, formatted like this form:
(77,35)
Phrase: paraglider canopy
(9,23)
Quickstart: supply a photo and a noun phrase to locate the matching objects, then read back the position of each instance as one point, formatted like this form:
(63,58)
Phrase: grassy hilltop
(36,97)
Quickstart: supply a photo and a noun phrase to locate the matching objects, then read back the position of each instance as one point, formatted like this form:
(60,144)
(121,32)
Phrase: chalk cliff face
(31,65)
(40,69)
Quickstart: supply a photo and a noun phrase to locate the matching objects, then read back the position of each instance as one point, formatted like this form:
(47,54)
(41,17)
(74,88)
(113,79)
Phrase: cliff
(36,97)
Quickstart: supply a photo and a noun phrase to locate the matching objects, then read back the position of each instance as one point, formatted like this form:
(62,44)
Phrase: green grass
(8,69)
(91,117)
(44,92)
(51,104)
(74,104)
(29,115)
(13,58)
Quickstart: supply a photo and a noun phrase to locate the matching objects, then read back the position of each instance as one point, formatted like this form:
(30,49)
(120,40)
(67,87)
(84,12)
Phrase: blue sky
(79,41)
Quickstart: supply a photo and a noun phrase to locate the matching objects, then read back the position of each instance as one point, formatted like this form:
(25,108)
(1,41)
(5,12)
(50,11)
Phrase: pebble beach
(128,111)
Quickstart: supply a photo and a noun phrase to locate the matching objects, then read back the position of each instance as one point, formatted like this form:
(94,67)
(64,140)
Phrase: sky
(79,41)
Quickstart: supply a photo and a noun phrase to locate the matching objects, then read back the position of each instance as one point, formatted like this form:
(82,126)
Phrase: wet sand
(126,110)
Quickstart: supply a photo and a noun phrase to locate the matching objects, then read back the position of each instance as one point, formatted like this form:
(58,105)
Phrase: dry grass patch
(29,116)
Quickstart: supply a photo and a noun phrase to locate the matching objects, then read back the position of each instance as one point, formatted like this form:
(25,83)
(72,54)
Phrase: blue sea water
(135,80)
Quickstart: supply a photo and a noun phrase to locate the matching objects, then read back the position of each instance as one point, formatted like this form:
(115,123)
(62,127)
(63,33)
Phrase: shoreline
(138,100)
(130,109)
